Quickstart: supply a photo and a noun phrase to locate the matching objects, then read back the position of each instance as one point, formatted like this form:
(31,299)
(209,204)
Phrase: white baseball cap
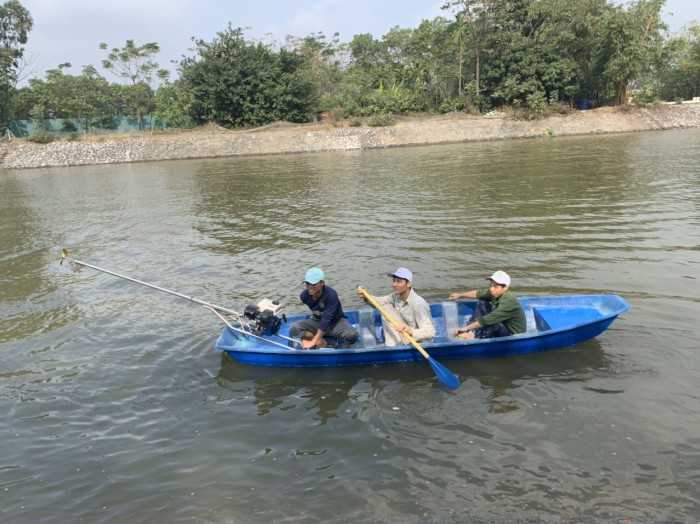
(402,272)
(500,277)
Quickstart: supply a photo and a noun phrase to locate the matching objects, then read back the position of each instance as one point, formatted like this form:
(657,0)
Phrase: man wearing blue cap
(327,317)
(407,307)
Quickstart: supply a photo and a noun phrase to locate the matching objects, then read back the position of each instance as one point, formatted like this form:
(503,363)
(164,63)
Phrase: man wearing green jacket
(498,313)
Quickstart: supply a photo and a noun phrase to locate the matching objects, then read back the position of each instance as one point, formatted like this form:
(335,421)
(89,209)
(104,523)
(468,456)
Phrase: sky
(71,30)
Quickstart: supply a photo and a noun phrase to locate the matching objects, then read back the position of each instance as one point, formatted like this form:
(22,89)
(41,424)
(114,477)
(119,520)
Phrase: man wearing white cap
(407,307)
(498,313)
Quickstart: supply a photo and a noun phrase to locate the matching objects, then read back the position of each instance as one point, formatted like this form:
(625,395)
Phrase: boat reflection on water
(327,389)
(585,363)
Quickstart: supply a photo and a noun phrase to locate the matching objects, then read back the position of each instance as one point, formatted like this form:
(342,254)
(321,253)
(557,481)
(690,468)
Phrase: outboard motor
(263,317)
(251,312)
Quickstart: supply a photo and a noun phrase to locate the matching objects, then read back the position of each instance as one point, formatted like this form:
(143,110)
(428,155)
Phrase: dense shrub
(238,83)
(381,120)
(41,137)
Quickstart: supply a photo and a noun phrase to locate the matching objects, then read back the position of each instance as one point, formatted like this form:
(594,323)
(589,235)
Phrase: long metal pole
(64,256)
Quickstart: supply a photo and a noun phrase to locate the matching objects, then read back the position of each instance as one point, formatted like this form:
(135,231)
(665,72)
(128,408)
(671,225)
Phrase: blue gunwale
(553,322)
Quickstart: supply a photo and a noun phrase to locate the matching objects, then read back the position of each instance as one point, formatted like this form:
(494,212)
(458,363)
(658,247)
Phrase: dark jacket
(327,308)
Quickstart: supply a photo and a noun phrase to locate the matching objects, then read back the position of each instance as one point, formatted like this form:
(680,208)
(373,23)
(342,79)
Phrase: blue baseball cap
(402,272)
(314,275)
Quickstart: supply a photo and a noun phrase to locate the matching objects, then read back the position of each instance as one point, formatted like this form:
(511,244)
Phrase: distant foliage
(676,75)
(133,62)
(237,83)
(41,137)
(531,58)
(15,25)
(381,120)
(174,105)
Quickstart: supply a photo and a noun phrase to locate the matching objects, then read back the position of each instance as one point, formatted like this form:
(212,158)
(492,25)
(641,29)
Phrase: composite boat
(260,335)
(552,322)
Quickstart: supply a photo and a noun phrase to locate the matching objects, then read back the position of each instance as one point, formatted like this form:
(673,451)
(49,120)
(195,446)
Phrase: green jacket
(506,310)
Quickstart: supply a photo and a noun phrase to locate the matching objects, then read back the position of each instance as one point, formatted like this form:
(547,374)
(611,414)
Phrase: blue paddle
(443,374)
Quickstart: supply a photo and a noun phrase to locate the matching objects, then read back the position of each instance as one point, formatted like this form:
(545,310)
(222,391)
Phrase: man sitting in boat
(498,312)
(405,305)
(327,317)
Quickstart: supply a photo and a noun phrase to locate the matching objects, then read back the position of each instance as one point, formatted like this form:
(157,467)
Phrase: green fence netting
(67,126)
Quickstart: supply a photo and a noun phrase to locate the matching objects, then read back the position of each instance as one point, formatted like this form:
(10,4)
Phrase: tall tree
(677,72)
(322,57)
(239,83)
(630,40)
(471,19)
(86,97)
(15,24)
(134,63)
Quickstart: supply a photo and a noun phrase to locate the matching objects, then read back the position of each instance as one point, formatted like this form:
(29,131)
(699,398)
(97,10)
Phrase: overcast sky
(71,30)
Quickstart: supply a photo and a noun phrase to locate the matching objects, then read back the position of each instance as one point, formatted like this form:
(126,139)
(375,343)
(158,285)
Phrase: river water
(115,407)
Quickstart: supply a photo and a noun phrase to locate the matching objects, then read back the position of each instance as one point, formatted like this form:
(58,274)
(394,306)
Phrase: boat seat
(530,320)
(450,318)
(540,322)
(366,327)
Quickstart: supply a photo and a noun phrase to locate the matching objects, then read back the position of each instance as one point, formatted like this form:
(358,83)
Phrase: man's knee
(347,335)
(297,329)
(351,336)
(494,331)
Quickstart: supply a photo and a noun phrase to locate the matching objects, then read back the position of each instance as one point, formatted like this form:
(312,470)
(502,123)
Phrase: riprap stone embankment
(211,142)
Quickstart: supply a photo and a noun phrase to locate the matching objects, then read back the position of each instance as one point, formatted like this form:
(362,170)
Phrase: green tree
(677,73)
(429,61)
(86,97)
(135,101)
(381,76)
(134,63)
(525,67)
(322,59)
(238,83)
(630,39)
(472,24)
(173,103)
(15,25)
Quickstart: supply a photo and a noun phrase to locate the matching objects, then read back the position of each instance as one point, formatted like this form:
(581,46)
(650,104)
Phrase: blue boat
(552,322)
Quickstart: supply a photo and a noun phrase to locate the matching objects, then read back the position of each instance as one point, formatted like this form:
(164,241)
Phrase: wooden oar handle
(391,320)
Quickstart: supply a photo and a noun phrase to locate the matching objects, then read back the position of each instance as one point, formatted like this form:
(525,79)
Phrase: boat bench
(370,334)
(447,323)
(540,323)
(445,315)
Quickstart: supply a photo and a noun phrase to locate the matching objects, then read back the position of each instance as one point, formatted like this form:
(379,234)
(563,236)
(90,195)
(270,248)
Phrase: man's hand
(455,296)
(403,328)
(310,340)
(468,330)
(465,335)
(307,344)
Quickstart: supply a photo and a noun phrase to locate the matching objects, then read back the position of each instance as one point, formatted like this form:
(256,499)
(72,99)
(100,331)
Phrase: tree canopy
(533,55)
(238,83)
(15,25)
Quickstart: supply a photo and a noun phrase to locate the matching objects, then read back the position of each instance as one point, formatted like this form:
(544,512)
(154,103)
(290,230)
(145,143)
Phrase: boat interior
(448,316)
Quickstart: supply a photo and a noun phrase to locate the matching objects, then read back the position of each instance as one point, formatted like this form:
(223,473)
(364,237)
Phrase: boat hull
(553,323)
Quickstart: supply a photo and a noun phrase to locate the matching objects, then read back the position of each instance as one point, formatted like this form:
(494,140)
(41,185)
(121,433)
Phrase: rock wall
(215,142)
